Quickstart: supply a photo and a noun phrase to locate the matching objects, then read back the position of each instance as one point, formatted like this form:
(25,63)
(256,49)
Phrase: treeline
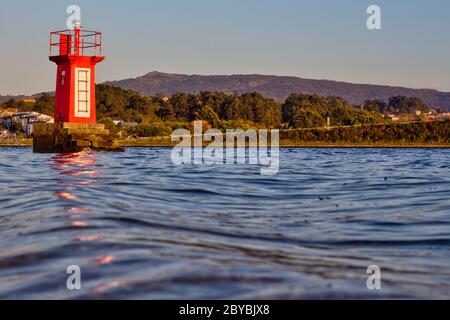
(312,111)
(45,104)
(414,133)
(396,105)
(159,115)
(222,110)
(213,107)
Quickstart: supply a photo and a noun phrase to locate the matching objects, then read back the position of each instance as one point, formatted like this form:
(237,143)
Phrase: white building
(27,120)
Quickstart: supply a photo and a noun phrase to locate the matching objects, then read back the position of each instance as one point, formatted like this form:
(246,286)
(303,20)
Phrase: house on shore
(27,119)
(435,116)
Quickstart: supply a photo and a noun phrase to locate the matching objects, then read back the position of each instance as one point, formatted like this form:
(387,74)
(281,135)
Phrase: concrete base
(72,137)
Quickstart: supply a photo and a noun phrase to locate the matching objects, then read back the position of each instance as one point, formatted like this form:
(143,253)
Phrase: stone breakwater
(72,137)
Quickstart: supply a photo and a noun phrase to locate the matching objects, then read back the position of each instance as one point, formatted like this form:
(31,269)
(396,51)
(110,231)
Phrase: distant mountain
(6,98)
(276,87)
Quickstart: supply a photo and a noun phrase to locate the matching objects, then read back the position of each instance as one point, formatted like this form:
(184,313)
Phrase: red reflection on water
(105,259)
(79,224)
(82,158)
(76,164)
(67,196)
(77,170)
(80,165)
(76,212)
(108,285)
(81,211)
(88,238)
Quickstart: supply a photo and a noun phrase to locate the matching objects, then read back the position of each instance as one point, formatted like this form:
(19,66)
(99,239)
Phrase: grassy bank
(411,135)
(297,144)
(163,142)
(16,143)
(146,142)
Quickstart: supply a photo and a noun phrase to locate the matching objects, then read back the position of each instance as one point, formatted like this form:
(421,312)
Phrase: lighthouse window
(82,93)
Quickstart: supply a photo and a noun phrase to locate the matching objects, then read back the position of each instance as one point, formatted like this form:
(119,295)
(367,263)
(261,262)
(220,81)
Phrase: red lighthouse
(76,52)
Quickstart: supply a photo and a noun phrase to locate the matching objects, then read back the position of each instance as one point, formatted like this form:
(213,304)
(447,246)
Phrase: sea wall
(72,137)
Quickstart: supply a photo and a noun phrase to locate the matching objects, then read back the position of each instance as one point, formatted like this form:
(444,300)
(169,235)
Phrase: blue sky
(319,39)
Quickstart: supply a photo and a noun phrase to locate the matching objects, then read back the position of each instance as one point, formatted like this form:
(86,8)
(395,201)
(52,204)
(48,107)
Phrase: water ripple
(140,227)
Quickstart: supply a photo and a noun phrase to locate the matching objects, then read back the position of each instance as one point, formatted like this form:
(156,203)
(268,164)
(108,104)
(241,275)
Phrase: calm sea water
(139,227)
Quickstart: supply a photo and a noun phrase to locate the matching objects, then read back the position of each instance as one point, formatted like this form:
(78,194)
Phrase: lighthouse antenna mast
(77,37)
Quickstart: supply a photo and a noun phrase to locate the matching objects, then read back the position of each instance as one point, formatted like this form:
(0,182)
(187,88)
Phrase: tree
(309,111)
(182,105)
(116,103)
(376,106)
(402,104)
(166,112)
(231,109)
(303,118)
(45,104)
(206,113)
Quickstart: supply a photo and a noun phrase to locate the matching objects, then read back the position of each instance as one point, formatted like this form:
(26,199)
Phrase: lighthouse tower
(76,53)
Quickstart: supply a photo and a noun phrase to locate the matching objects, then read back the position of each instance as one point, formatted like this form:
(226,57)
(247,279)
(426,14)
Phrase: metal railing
(76,42)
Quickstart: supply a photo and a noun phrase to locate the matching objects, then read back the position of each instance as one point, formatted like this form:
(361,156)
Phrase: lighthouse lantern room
(76,53)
